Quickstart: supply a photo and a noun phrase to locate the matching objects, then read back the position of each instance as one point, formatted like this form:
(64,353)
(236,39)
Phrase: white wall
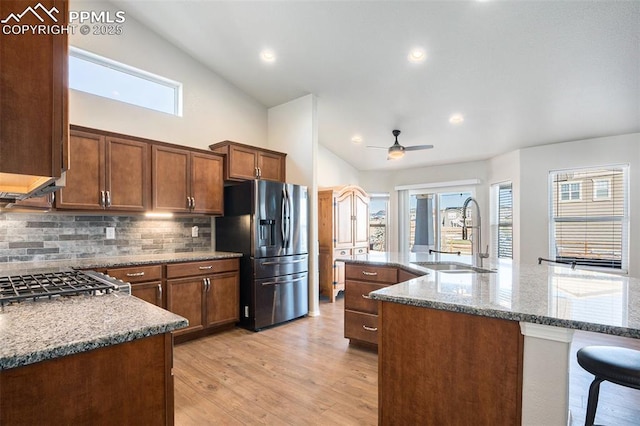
(535,164)
(214,110)
(334,171)
(293,128)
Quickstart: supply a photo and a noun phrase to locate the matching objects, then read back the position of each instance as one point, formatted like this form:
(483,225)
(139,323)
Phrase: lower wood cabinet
(146,282)
(129,383)
(206,293)
(361,312)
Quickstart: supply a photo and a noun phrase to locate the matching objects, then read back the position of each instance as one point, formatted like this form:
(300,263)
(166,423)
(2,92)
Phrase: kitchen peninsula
(489,347)
(101,357)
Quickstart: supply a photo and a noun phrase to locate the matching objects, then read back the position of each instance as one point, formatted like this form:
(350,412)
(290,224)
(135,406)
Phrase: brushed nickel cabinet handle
(373,274)
(159,294)
(108,199)
(102,199)
(193,203)
(364,296)
(135,274)
(370,328)
(204,268)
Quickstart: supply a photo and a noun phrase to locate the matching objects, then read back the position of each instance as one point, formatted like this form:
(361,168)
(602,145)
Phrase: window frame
(120,67)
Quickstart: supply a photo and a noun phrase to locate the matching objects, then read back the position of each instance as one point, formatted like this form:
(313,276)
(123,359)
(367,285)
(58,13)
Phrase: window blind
(505,221)
(589,226)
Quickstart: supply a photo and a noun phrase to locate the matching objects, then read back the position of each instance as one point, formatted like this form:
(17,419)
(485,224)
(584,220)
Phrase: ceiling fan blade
(417,147)
(378,147)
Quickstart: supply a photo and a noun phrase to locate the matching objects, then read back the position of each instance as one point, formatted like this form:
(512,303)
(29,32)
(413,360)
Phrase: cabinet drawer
(360,250)
(137,274)
(381,274)
(178,270)
(341,253)
(361,326)
(356,296)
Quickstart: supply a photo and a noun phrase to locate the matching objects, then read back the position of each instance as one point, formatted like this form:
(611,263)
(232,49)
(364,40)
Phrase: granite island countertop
(541,294)
(34,331)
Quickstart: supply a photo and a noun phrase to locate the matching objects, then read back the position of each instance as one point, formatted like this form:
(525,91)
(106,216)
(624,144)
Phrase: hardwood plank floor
(300,373)
(305,373)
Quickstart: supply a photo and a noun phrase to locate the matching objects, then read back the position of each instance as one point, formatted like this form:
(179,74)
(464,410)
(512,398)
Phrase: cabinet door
(223,299)
(207,183)
(151,292)
(185,298)
(86,174)
(242,163)
(127,175)
(33,95)
(361,220)
(171,179)
(272,166)
(343,221)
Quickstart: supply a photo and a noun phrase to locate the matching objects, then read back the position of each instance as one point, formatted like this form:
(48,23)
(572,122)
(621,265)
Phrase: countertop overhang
(541,294)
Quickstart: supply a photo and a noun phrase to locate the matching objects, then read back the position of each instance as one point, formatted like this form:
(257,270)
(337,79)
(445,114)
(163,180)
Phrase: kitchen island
(492,347)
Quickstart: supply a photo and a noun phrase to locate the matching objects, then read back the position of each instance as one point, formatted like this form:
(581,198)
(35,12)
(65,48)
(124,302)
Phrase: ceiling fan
(396,150)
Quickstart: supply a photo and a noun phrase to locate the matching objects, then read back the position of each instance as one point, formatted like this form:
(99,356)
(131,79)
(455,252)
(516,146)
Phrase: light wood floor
(305,373)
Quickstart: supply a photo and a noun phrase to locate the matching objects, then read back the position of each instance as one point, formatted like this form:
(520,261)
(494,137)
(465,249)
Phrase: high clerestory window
(110,79)
(589,217)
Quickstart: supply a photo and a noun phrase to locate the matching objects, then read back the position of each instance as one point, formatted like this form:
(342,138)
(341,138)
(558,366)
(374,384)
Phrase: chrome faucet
(476,251)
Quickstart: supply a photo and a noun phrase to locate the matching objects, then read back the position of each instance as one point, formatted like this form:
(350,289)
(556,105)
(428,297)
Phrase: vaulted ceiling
(521,73)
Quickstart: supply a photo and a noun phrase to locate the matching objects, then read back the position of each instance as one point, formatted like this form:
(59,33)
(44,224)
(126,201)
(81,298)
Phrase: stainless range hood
(15,187)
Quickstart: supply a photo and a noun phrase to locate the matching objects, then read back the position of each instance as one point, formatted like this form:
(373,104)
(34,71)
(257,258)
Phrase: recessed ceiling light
(356,139)
(268,55)
(417,55)
(456,119)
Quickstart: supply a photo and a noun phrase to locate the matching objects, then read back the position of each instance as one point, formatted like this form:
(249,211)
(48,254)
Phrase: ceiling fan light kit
(396,151)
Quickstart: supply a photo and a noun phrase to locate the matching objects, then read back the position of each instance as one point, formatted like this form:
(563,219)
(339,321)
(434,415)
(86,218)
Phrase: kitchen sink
(454,268)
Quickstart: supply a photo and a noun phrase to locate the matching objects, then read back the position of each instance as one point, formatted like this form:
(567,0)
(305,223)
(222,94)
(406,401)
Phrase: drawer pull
(364,296)
(343,252)
(135,274)
(203,268)
(373,274)
(370,328)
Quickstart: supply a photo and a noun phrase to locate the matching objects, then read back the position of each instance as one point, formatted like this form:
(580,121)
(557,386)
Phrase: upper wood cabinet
(245,162)
(33,100)
(106,172)
(186,181)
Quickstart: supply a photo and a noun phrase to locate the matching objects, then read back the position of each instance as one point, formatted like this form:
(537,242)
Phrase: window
(591,230)
(435,222)
(601,189)
(570,191)
(378,221)
(104,77)
(502,223)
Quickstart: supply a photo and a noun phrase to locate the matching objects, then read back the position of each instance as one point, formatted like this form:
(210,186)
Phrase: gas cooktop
(18,288)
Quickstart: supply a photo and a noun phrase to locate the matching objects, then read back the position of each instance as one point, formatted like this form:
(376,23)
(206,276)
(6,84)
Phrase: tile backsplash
(26,237)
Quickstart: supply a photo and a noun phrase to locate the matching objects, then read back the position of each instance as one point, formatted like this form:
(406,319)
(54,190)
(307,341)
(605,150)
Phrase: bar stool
(612,364)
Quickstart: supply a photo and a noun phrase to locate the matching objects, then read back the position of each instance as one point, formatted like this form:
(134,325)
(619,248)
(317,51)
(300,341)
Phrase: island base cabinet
(125,384)
(438,367)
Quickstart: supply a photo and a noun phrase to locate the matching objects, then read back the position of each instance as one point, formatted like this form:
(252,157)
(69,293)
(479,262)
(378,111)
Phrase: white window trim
(595,195)
(571,200)
(137,72)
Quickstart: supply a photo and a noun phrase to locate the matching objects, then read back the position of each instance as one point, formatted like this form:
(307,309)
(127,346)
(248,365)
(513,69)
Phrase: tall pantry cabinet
(343,231)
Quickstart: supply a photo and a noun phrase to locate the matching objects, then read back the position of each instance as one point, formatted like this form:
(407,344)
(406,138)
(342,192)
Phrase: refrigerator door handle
(283,213)
(284,263)
(288,217)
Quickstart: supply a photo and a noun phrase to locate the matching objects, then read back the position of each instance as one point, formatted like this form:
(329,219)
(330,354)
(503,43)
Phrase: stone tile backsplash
(26,237)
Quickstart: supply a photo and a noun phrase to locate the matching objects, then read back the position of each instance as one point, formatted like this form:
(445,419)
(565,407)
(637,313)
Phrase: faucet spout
(476,247)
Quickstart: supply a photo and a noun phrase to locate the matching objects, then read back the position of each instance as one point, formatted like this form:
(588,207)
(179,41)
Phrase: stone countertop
(46,329)
(21,268)
(541,294)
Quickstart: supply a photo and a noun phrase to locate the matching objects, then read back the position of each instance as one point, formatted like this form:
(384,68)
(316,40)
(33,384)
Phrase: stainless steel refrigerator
(267,222)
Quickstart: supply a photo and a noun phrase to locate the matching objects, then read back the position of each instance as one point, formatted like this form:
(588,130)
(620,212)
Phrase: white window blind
(505,221)
(589,216)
